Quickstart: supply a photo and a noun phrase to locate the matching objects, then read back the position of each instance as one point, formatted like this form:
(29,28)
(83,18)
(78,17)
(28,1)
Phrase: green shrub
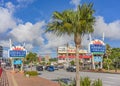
(97,83)
(31,73)
(84,82)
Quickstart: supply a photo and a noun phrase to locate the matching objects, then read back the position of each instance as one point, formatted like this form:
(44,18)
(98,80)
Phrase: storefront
(68,54)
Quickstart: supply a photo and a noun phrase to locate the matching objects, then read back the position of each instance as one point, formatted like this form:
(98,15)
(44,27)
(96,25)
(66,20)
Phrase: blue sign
(97,48)
(17,61)
(97,59)
(17,53)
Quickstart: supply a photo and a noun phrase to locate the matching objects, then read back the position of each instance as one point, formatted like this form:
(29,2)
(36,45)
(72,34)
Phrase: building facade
(68,54)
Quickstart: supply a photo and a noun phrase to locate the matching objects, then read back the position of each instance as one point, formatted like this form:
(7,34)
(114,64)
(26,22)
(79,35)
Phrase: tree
(76,23)
(31,57)
(72,62)
(108,61)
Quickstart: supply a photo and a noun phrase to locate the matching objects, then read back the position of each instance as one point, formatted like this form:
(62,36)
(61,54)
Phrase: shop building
(68,54)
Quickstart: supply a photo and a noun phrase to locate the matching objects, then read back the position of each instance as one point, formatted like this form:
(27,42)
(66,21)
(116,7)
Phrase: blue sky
(24,21)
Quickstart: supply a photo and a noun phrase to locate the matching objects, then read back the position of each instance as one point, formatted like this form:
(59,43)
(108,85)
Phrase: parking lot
(107,79)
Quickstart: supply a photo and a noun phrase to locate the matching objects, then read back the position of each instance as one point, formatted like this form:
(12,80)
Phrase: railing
(4,79)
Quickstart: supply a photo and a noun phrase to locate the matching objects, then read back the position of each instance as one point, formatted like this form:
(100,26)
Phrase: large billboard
(62,49)
(17,52)
(97,46)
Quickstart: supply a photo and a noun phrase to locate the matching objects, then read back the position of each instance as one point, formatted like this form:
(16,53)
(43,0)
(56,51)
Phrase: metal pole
(22,66)
(93,63)
(13,64)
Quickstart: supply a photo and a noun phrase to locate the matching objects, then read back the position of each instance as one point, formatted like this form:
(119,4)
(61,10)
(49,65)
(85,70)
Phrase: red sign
(98,42)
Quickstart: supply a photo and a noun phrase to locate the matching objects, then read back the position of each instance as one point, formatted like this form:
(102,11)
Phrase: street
(107,79)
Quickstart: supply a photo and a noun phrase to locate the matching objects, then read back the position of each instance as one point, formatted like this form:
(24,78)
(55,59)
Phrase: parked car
(39,68)
(71,69)
(56,68)
(60,67)
(46,67)
(50,68)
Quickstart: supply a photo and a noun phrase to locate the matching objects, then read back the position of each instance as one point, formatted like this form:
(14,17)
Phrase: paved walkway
(18,79)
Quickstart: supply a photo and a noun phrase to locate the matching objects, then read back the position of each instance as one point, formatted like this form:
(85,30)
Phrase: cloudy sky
(24,21)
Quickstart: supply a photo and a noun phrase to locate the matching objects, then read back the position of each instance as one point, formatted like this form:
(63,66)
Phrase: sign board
(97,59)
(97,48)
(17,61)
(17,53)
(71,50)
(62,49)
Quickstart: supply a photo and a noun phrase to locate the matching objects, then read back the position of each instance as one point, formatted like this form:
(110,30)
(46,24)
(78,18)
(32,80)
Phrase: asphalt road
(107,79)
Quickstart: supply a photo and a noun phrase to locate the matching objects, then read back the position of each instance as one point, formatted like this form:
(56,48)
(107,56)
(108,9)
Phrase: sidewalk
(18,79)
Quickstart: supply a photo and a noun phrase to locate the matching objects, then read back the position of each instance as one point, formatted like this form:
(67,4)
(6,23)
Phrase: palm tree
(76,23)
(108,53)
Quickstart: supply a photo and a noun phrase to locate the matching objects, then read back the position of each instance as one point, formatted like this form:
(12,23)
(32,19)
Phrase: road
(107,79)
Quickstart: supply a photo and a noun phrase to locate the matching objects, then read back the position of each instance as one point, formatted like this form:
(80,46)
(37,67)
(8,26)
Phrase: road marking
(113,77)
(14,81)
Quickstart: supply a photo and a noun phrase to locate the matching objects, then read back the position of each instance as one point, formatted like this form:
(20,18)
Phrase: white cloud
(111,30)
(29,32)
(75,2)
(29,47)
(7,21)
(4,43)
(54,41)
(10,6)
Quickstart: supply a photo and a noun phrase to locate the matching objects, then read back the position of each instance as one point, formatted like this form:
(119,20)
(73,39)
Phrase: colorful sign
(17,61)
(97,59)
(97,46)
(62,49)
(17,51)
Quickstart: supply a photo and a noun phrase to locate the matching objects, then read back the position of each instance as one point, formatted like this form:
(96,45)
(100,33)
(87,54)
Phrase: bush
(84,82)
(31,73)
(97,83)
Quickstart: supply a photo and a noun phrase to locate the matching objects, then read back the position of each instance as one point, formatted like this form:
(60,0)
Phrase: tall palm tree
(76,23)
(108,53)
